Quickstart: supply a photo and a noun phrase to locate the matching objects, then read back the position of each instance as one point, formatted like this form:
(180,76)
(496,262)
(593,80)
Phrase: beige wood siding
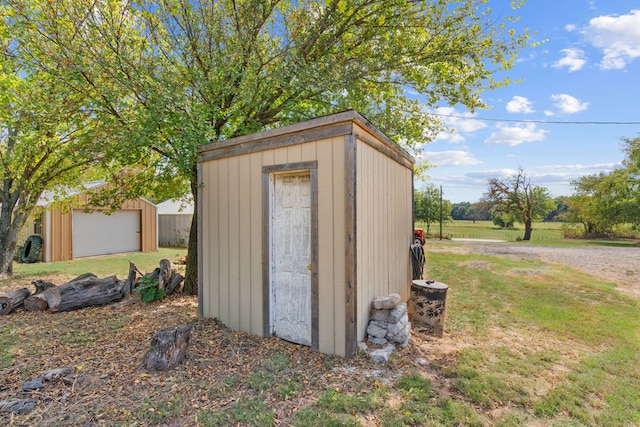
(384,229)
(231,236)
(364,224)
(173,230)
(57,228)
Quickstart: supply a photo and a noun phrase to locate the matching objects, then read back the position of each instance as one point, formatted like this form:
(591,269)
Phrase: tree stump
(165,274)
(173,283)
(13,300)
(131,279)
(168,348)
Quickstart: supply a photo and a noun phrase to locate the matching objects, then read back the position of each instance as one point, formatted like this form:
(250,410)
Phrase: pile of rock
(389,324)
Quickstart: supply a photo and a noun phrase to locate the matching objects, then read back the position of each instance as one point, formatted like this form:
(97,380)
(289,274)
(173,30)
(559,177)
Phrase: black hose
(417,258)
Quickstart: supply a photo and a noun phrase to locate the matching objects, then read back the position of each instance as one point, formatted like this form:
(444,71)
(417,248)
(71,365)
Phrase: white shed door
(100,234)
(291,258)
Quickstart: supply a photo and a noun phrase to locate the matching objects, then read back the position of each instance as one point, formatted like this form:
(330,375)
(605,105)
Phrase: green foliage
(164,78)
(427,205)
(603,201)
(148,289)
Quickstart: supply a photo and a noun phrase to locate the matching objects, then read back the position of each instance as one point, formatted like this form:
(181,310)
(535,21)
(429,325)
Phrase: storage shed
(83,230)
(301,227)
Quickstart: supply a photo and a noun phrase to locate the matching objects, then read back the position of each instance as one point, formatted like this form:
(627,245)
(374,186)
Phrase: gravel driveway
(620,265)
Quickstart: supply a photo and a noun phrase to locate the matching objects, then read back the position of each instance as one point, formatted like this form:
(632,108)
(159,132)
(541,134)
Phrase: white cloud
(548,113)
(462,124)
(450,158)
(618,36)
(568,104)
(516,135)
(598,166)
(570,27)
(573,59)
(519,104)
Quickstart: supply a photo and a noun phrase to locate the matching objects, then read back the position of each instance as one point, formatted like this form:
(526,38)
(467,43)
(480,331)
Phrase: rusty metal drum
(427,303)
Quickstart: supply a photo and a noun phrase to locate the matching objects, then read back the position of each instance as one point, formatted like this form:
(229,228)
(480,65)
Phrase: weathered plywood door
(291,258)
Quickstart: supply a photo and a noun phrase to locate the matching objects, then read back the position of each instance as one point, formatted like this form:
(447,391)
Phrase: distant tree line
(602,204)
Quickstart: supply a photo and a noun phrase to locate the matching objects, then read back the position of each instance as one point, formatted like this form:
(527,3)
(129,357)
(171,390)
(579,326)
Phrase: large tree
(604,200)
(516,196)
(176,74)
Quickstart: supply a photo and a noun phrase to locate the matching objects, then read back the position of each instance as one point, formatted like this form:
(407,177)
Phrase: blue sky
(587,70)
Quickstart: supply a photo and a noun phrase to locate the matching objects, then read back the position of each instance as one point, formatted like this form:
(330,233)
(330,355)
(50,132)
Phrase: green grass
(542,231)
(549,313)
(246,412)
(8,344)
(101,266)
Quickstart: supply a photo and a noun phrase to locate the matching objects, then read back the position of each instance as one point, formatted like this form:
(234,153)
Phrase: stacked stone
(389,321)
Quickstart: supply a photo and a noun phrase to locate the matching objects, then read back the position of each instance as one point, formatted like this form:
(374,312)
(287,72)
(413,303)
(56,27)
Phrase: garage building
(82,230)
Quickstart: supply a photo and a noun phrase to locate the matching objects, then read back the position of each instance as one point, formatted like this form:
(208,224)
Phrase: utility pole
(441,212)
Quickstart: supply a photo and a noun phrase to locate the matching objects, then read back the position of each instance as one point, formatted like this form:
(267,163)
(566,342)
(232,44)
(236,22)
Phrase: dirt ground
(620,265)
(103,347)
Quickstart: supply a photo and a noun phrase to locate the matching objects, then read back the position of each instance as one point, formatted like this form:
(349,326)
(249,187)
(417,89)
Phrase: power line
(550,122)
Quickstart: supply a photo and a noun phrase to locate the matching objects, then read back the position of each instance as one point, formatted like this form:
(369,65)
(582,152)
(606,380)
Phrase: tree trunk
(13,214)
(528,227)
(13,300)
(191,269)
(84,293)
(168,347)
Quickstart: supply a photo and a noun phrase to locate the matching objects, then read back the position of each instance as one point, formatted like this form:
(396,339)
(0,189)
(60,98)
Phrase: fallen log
(13,300)
(168,347)
(20,406)
(83,293)
(82,277)
(35,302)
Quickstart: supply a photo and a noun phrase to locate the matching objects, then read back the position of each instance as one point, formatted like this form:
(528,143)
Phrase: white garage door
(100,234)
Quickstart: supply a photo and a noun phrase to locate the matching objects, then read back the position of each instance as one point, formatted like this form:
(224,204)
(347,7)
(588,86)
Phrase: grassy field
(544,233)
(526,344)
